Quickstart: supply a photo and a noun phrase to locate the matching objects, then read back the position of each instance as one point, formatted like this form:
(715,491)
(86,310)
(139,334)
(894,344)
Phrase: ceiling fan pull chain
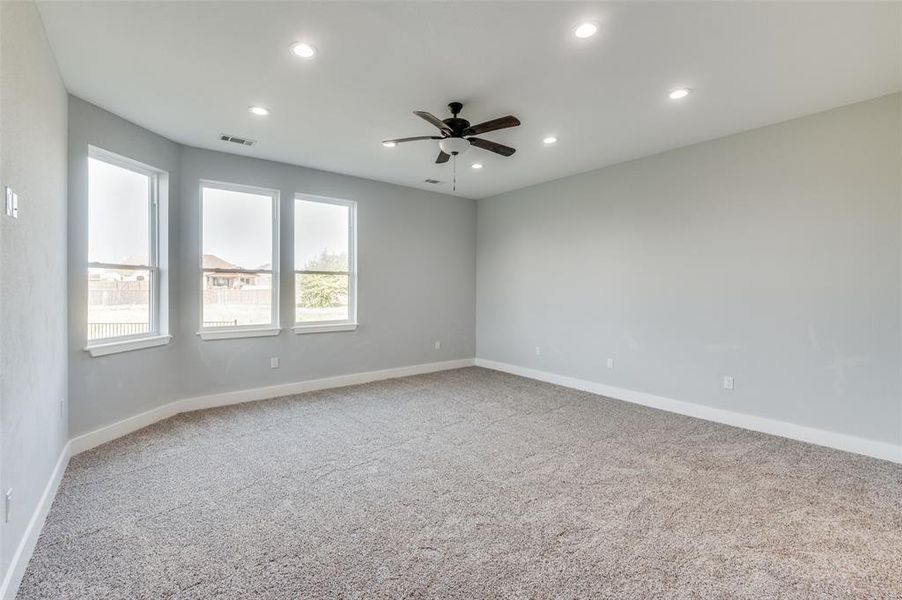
(454,173)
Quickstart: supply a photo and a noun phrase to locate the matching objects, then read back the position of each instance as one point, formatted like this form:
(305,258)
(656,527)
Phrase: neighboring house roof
(135,260)
(211,261)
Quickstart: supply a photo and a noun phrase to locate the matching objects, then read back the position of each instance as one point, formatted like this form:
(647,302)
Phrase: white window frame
(349,324)
(240,331)
(158,203)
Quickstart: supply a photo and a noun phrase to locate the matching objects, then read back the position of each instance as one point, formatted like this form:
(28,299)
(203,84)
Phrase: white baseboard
(118,429)
(115,430)
(830,439)
(29,540)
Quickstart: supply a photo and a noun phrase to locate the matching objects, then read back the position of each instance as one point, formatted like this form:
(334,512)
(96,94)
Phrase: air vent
(432,181)
(236,140)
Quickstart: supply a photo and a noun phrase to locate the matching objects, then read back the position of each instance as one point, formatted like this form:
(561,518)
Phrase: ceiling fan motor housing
(454,145)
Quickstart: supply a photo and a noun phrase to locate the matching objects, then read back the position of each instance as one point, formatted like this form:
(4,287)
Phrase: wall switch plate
(727,382)
(7,505)
(62,406)
(538,350)
(274,362)
(12,203)
(610,363)
(438,344)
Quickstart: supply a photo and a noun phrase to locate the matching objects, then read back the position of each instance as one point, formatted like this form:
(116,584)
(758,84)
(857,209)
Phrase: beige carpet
(466,484)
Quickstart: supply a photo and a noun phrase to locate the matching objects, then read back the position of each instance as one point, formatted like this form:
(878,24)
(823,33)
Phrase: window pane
(234,299)
(320,236)
(118,215)
(237,230)
(321,297)
(118,303)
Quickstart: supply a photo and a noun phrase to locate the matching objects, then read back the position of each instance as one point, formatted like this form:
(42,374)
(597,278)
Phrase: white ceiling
(189,71)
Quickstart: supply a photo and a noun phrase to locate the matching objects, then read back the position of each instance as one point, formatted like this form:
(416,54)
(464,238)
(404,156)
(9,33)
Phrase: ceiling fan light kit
(454,146)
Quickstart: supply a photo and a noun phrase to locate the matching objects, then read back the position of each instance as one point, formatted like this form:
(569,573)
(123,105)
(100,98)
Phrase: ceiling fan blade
(432,119)
(492,146)
(413,139)
(499,123)
(442,157)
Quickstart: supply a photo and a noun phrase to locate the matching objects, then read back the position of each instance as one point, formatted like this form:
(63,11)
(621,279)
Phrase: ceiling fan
(457,135)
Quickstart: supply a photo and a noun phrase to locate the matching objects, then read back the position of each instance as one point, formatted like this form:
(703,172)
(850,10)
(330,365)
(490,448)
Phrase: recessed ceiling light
(679,93)
(303,50)
(389,144)
(586,30)
(550,140)
(476,165)
(260,111)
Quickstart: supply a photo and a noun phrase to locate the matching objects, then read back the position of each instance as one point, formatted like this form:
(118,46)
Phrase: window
(124,251)
(325,280)
(239,261)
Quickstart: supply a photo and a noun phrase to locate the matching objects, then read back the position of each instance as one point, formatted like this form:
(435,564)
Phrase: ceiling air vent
(432,181)
(236,140)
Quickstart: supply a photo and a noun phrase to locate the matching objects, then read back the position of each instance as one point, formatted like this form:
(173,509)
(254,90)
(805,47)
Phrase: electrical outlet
(610,363)
(274,362)
(438,344)
(7,505)
(538,351)
(727,382)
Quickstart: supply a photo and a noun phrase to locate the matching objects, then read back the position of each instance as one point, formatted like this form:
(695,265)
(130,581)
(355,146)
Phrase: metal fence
(102,331)
(221,323)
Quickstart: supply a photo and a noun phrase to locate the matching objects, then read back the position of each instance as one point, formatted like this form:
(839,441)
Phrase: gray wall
(32,267)
(416,282)
(110,388)
(772,256)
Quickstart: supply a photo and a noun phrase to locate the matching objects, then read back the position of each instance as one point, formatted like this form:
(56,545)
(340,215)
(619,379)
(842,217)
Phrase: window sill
(229,334)
(127,345)
(325,328)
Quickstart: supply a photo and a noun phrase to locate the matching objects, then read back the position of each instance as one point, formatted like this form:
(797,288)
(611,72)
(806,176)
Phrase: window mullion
(122,267)
(304,272)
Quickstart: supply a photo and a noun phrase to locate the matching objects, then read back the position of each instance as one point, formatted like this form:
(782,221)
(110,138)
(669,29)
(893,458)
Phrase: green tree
(323,290)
